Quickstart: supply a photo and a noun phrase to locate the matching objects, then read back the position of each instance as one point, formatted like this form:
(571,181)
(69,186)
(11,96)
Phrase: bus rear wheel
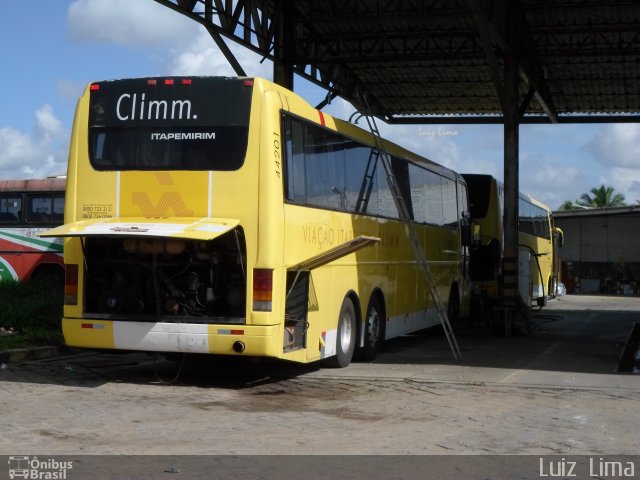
(374,332)
(345,336)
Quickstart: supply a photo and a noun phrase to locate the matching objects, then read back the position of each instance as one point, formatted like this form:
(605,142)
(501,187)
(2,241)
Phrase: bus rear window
(150,124)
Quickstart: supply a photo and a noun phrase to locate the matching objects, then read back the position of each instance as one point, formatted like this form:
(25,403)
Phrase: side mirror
(559,234)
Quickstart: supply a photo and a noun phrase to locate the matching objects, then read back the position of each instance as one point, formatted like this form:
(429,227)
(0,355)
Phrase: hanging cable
(177,375)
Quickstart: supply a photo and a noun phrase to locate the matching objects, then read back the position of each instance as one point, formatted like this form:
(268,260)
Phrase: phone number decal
(95,210)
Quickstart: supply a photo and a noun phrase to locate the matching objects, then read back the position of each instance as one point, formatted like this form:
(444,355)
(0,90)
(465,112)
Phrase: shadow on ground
(571,339)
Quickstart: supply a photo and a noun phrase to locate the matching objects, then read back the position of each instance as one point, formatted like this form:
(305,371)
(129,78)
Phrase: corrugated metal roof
(35,185)
(432,57)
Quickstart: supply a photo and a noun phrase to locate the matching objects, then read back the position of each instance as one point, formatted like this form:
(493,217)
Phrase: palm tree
(568,205)
(602,197)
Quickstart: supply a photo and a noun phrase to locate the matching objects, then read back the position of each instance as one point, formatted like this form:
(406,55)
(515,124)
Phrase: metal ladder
(367,181)
(409,227)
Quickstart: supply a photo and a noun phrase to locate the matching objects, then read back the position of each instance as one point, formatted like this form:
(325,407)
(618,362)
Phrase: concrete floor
(556,392)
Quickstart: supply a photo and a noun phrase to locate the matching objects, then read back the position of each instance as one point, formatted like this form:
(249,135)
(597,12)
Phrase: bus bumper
(219,339)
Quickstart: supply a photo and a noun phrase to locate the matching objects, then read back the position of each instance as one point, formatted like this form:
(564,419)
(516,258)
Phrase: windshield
(197,123)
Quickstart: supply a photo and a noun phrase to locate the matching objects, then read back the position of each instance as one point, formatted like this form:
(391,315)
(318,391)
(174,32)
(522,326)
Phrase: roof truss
(442,61)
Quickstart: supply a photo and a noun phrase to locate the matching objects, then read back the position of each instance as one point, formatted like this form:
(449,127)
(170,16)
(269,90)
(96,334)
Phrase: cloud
(626,181)
(616,145)
(179,44)
(35,155)
(550,181)
(14,147)
(132,23)
(48,126)
(70,90)
(202,56)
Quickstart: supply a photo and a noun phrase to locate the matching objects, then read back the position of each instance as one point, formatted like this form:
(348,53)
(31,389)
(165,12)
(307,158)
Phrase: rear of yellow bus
(165,205)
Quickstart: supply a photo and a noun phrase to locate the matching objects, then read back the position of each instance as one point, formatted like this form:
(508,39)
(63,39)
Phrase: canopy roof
(578,60)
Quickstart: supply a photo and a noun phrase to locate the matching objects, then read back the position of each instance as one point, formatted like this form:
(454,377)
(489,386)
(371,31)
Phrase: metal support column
(511,166)
(509,294)
(284,44)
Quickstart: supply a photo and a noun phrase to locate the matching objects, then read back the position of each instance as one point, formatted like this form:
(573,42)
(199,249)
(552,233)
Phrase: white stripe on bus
(209,194)
(118,194)
(161,337)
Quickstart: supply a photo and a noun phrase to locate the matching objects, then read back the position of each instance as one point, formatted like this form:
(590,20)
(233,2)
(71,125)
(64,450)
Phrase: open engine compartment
(171,278)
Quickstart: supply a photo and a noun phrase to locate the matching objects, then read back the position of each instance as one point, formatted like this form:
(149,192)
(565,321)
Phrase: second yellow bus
(537,235)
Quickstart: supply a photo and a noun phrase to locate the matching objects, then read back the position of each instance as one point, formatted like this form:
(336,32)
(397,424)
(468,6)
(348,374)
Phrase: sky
(53,48)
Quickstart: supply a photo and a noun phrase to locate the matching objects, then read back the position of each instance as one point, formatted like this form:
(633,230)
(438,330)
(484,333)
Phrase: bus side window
(10,208)
(58,209)
(325,172)
(449,203)
(8,217)
(295,172)
(419,201)
(386,206)
(356,158)
(426,191)
(39,209)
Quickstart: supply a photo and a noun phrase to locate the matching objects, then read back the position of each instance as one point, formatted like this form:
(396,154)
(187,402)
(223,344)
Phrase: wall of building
(601,253)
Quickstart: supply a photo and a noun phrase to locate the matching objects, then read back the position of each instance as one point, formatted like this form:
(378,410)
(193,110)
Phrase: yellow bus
(227,216)
(537,236)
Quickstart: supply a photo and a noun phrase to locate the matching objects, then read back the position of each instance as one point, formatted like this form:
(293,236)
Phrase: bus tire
(345,336)
(374,330)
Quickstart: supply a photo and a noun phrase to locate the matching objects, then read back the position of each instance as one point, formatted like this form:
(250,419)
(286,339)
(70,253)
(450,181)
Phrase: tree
(602,197)
(568,205)
(597,198)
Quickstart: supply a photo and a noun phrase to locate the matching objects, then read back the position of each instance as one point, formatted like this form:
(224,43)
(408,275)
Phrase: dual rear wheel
(346,336)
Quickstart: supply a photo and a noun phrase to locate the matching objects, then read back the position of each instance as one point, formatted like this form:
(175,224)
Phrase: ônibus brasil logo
(37,469)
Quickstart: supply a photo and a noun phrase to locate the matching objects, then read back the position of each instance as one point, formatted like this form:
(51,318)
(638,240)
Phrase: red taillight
(262,290)
(186,81)
(70,284)
(152,82)
(169,81)
(94,87)
(248,83)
